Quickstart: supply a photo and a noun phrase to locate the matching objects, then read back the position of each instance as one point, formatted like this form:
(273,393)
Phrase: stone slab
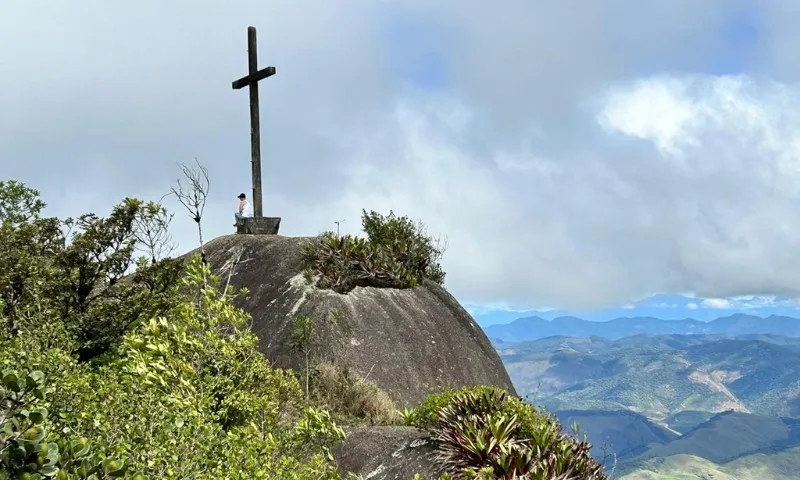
(258,226)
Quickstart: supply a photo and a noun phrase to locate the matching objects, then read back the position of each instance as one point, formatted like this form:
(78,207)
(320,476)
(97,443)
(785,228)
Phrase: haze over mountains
(663,306)
(534,327)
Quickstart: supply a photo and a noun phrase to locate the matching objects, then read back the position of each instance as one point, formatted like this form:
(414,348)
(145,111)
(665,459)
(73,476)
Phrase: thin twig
(193,197)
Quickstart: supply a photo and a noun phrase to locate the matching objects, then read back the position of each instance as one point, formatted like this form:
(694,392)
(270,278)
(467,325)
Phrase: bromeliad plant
(484,433)
(396,254)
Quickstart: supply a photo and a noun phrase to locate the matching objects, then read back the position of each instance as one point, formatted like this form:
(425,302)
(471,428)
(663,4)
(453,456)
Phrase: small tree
(18,203)
(304,338)
(151,231)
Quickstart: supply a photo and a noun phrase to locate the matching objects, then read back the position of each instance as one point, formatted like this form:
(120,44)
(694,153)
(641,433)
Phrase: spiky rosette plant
(396,254)
(485,433)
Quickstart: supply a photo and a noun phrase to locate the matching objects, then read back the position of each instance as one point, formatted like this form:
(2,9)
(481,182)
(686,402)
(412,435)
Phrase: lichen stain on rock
(375,472)
(299,282)
(418,443)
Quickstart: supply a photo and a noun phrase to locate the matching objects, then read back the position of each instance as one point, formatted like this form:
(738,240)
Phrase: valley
(670,406)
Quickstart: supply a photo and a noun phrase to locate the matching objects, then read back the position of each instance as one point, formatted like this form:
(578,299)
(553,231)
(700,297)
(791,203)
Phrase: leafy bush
(482,432)
(29,451)
(396,254)
(176,386)
(74,269)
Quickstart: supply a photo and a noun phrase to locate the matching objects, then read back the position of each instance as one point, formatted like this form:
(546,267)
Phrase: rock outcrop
(410,342)
(387,453)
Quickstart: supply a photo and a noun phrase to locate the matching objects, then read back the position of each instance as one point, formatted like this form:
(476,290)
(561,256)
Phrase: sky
(576,156)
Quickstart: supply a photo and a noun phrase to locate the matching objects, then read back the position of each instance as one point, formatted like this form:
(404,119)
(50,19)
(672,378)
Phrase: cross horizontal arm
(253,78)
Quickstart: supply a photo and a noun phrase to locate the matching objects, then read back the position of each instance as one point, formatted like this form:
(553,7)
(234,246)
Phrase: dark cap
(242,195)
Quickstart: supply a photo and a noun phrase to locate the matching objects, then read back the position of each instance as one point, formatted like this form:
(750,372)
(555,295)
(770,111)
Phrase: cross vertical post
(251,81)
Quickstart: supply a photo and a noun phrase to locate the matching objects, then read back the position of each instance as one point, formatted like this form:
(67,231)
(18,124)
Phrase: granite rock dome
(410,342)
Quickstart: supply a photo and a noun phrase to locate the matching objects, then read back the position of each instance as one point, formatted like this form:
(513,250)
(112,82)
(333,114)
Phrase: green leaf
(34,434)
(11,382)
(49,471)
(38,416)
(35,378)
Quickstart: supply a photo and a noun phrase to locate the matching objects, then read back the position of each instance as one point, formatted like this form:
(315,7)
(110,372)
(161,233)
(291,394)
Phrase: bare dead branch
(193,195)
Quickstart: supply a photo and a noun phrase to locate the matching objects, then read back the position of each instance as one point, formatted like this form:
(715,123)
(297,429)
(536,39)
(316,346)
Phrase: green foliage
(196,373)
(397,253)
(304,338)
(426,415)
(176,388)
(71,270)
(29,451)
(18,203)
(482,432)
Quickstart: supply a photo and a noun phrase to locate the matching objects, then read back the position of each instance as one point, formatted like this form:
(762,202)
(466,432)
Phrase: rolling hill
(660,376)
(620,433)
(667,407)
(726,437)
(637,449)
(783,465)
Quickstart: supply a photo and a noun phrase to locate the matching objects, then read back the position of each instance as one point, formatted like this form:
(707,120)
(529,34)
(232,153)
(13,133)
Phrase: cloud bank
(573,157)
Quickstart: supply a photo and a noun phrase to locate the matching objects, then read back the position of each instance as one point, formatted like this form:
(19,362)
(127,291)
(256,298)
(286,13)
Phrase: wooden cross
(251,80)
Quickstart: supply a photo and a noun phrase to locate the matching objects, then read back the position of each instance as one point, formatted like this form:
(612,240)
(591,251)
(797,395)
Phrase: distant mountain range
(534,328)
(664,407)
(660,376)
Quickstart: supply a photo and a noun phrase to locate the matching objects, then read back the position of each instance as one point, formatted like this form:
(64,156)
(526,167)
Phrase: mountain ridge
(659,375)
(535,328)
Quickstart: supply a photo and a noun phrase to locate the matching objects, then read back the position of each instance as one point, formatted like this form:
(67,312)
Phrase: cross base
(258,225)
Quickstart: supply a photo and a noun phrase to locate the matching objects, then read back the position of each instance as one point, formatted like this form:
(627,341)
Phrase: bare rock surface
(410,342)
(387,453)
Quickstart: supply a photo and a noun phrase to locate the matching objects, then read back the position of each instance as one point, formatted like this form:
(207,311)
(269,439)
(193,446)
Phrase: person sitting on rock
(245,209)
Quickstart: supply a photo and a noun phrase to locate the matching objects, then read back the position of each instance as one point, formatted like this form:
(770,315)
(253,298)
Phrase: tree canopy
(119,362)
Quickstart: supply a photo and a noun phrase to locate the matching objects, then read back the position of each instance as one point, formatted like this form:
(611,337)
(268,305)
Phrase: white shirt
(247,211)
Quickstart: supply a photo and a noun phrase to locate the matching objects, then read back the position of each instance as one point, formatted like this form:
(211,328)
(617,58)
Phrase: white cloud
(658,111)
(562,167)
(692,306)
(721,303)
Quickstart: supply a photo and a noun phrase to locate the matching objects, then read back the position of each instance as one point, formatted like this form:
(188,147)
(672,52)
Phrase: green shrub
(176,386)
(482,432)
(29,450)
(396,253)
